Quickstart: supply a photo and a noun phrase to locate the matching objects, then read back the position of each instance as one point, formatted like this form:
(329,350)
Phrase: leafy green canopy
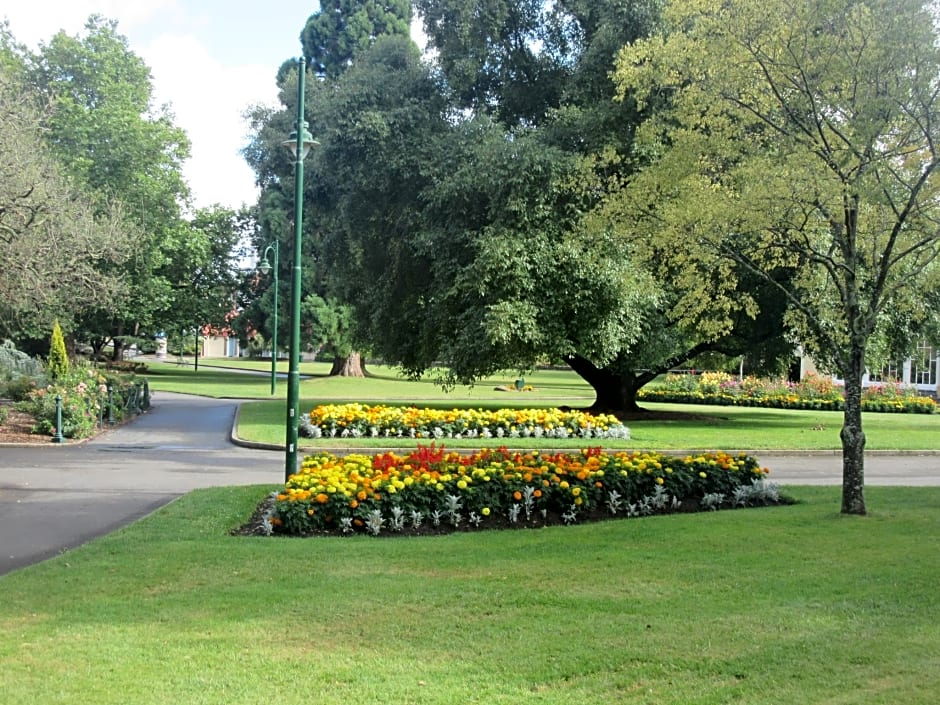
(343,28)
(798,137)
(57,247)
(111,139)
(451,204)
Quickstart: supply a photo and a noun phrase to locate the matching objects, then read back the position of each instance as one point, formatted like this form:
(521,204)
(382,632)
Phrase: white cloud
(210,60)
(209,100)
(207,97)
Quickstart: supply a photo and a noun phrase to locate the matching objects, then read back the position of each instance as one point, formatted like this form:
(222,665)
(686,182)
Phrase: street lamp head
(306,142)
(265,266)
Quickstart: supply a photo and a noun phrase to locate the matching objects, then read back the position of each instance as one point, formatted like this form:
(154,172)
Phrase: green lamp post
(299,144)
(266,267)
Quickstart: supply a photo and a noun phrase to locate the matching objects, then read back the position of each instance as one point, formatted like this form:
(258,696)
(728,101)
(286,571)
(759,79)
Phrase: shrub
(58,366)
(19,373)
(84,395)
(19,388)
(434,490)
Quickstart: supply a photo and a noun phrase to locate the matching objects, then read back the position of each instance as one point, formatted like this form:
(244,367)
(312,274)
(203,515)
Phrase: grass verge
(249,381)
(786,604)
(694,427)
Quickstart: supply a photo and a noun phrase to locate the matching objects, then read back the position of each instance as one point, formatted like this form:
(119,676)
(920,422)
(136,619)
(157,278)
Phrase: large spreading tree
(456,201)
(796,137)
(112,140)
(332,40)
(54,237)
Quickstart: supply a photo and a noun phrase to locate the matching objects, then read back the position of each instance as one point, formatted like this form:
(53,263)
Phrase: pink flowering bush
(84,395)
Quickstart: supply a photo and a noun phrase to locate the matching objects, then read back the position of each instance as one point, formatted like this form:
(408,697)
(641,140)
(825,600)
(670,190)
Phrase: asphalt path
(56,497)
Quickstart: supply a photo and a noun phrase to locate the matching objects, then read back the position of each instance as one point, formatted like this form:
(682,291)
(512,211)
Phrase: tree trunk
(614,392)
(853,439)
(349,366)
(117,344)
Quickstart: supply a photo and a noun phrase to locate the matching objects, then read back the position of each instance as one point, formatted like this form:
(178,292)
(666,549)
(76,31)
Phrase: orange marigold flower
(537,494)
(517,495)
(322,498)
(354,504)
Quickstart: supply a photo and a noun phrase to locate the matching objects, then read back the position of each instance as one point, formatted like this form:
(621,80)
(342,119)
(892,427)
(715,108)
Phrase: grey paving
(56,497)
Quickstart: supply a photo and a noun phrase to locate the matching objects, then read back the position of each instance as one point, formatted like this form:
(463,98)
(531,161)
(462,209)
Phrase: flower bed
(813,392)
(83,393)
(362,421)
(432,490)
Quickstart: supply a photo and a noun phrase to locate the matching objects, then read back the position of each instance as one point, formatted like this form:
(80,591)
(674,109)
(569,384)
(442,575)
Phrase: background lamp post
(299,144)
(266,267)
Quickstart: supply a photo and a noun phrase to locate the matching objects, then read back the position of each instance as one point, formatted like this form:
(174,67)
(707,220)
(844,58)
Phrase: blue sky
(210,60)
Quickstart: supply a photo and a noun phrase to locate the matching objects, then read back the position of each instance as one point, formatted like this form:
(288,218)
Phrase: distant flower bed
(432,490)
(813,392)
(362,421)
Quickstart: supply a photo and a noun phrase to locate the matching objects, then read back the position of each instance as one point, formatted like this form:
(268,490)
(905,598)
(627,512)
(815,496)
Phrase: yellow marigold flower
(576,491)
(702,475)
(462,484)
(659,480)
(485,511)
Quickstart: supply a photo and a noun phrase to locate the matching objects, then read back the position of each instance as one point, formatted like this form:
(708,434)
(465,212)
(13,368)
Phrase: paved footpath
(56,497)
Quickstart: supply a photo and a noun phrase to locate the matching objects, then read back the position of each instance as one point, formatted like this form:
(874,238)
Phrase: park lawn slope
(783,604)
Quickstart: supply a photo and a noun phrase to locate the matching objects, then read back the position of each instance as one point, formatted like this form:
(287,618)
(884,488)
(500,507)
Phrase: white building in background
(921,371)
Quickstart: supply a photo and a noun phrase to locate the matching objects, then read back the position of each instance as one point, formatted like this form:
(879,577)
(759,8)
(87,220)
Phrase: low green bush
(83,391)
(19,373)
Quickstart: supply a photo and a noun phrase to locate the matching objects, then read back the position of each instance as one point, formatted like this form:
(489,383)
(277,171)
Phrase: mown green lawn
(228,378)
(697,427)
(792,604)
